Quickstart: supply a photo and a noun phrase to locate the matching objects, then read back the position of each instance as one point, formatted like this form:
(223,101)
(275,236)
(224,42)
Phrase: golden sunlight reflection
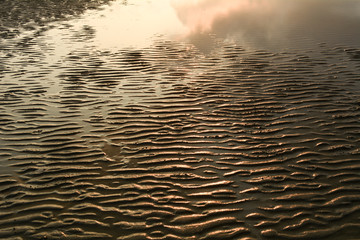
(251,23)
(136,24)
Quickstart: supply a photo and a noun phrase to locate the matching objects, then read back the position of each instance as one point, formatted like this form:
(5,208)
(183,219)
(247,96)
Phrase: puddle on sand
(273,25)
(117,26)
(184,120)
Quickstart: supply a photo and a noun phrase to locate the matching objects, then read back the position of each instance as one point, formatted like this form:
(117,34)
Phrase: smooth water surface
(274,25)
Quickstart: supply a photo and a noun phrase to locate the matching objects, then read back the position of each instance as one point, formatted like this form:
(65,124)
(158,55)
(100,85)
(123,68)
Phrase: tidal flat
(169,119)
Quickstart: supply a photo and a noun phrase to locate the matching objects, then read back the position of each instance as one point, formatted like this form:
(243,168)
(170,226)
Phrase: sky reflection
(272,23)
(136,23)
(265,24)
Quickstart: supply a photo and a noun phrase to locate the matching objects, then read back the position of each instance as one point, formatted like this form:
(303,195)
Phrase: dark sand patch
(15,14)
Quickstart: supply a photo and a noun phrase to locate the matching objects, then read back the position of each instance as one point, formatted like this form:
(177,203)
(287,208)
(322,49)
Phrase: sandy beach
(176,120)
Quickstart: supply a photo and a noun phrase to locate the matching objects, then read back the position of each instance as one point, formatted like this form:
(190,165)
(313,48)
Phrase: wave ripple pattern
(166,143)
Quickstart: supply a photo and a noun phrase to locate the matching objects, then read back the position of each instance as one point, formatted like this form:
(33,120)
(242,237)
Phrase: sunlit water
(276,25)
(171,119)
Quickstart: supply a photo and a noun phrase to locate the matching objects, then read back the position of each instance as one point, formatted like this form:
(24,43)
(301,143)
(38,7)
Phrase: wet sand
(169,142)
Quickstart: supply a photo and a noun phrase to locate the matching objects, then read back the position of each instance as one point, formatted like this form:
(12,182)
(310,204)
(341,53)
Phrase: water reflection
(134,23)
(161,142)
(275,23)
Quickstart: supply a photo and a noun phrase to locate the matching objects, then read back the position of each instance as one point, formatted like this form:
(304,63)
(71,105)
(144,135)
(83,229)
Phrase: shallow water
(178,120)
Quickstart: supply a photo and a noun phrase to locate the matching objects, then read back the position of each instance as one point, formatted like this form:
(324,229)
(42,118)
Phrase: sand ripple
(166,143)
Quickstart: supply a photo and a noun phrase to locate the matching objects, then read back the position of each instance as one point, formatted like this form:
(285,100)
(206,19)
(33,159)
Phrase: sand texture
(166,142)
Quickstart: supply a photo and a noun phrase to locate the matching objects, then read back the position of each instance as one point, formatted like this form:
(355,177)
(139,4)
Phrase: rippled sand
(167,142)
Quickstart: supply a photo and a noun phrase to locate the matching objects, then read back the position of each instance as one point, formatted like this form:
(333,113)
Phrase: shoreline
(168,142)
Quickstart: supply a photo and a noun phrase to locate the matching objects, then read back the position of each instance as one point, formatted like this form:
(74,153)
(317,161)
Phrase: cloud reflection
(271,23)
